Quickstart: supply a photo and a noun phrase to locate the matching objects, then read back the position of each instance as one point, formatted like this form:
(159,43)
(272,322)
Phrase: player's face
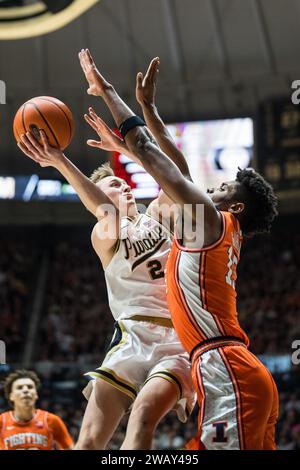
(223,195)
(23,393)
(117,190)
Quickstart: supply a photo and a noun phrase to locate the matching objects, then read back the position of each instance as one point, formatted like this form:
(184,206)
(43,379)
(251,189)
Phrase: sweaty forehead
(105,182)
(22,382)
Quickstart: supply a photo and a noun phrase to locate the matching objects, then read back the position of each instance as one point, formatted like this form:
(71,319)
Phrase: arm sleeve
(61,435)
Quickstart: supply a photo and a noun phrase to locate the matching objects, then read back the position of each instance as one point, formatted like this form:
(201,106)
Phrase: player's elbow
(141,146)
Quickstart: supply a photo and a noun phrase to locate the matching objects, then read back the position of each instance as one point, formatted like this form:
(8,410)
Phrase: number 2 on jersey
(155,269)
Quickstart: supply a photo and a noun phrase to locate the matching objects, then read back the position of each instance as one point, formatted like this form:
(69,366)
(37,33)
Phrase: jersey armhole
(207,247)
(170,232)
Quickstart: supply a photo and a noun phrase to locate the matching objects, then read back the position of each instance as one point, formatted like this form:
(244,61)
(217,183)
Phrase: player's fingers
(91,122)
(34,141)
(44,139)
(86,64)
(100,123)
(156,70)
(27,152)
(94,143)
(93,113)
(139,80)
(24,149)
(82,61)
(30,147)
(89,57)
(152,69)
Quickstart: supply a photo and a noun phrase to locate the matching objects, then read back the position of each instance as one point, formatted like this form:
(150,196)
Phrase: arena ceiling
(218,58)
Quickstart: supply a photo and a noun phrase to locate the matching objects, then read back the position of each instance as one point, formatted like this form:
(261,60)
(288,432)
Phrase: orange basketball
(49,114)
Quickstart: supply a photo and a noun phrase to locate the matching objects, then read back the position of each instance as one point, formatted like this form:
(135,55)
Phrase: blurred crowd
(288,428)
(17,275)
(76,325)
(76,322)
(269,291)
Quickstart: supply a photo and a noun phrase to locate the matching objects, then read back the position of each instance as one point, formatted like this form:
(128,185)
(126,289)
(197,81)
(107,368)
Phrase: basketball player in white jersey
(146,367)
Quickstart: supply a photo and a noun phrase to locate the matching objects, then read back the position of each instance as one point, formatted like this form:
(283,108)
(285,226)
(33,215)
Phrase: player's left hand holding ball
(41,151)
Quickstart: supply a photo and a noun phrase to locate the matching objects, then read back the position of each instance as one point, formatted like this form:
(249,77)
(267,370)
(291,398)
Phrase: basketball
(49,114)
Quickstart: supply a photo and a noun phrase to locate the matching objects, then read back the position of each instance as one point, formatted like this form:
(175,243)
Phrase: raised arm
(156,162)
(99,86)
(41,152)
(94,199)
(109,141)
(145,95)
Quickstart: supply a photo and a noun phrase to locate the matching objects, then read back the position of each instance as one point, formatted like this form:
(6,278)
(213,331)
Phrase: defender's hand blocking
(146,86)
(109,141)
(97,83)
(42,153)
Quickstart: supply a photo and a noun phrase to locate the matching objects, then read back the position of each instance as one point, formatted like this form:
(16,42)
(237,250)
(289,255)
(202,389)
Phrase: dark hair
(19,374)
(260,202)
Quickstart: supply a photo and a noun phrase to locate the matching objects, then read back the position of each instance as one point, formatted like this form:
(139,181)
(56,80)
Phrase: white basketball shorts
(141,350)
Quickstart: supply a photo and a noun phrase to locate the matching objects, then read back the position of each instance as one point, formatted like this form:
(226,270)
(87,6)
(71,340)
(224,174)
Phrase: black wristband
(129,124)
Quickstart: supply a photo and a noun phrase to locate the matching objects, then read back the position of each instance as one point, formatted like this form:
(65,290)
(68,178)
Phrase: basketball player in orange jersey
(146,369)
(237,395)
(25,427)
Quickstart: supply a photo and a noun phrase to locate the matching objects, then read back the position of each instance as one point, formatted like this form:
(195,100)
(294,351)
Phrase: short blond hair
(101,172)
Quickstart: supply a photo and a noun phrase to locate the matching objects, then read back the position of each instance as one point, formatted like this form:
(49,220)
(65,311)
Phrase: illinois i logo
(220,430)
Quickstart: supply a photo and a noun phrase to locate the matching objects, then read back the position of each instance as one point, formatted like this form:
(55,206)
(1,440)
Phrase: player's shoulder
(51,416)
(5,415)
(53,420)
(129,226)
(229,220)
(6,419)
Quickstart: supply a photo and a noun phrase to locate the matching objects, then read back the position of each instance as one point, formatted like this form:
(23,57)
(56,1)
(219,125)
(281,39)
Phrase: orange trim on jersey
(203,296)
(237,397)
(182,297)
(208,247)
(201,388)
(214,343)
(202,280)
(219,323)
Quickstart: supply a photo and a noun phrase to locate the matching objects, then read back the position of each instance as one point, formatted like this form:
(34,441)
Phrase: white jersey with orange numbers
(135,275)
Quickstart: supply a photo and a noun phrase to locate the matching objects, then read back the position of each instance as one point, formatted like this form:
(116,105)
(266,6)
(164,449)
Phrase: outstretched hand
(109,141)
(146,86)
(40,151)
(97,83)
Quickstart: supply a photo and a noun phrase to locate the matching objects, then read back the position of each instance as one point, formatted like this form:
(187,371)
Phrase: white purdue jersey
(135,275)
